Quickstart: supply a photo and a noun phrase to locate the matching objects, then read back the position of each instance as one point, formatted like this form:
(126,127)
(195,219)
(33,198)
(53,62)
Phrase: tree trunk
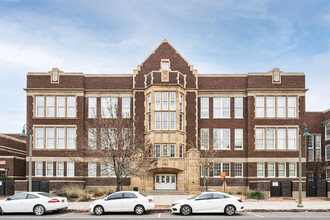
(118,181)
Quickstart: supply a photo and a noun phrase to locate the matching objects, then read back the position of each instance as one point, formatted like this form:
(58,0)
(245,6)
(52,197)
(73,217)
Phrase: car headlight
(174,204)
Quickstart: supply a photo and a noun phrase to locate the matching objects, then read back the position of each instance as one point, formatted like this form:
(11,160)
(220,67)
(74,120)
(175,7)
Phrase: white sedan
(209,202)
(125,201)
(37,202)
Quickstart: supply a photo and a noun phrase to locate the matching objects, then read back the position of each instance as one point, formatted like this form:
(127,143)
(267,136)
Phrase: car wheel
(230,210)
(185,210)
(139,210)
(39,210)
(98,210)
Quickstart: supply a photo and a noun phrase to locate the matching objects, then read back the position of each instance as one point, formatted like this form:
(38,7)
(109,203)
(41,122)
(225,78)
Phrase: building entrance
(165,181)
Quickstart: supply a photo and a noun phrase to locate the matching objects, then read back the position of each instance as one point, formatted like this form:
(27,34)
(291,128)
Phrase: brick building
(12,157)
(251,121)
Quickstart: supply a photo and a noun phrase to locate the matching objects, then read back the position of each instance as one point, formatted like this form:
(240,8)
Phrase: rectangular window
(157,100)
(105,107)
(216,107)
(260,170)
(310,148)
(226,168)
(238,169)
(327,174)
(260,106)
(149,122)
(270,102)
(39,169)
(50,136)
(39,138)
(181,102)
(292,138)
(60,138)
(126,107)
(165,150)
(204,107)
(165,120)
(238,138)
(221,107)
(205,170)
(157,120)
(172,149)
(270,138)
(157,150)
(318,147)
(225,113)
(50,106)
(172,120)
(327,132)
(71,106)
(292,106)
(281,138)
(216,169)
(181,122)
(281,170)
(281,113)
(165,101)
(60,110)
(113,138)
(327,153)
(49,168)
(105,170)
(165,65)
(181,151)
(126,138)
(260,138)
(92,137)
(92,107)
(70,169)
(113,107)
(292,170)
(91,169)
(270,169)
(204,139)
(60,169)
(221,138)
(238,107)
(71,138)
(149,102)
(172,100)
(40,106)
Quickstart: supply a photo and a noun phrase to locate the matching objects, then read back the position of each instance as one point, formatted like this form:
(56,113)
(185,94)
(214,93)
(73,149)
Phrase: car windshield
(194,197)
(47,195)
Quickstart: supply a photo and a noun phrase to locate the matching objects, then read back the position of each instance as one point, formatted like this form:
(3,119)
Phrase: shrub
(230,192)
(73,191)
(247,192)
(108,191)
(85,197)
(99,192)
(256,195)
(239,193)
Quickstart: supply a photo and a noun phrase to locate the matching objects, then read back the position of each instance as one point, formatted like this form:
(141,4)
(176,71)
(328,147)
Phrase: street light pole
(306,134)
(23,134)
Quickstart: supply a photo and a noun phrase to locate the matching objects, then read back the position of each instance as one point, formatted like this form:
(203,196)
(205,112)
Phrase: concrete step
(165,192)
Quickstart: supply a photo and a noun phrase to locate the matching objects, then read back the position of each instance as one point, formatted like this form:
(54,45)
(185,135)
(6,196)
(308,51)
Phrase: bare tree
(112,138)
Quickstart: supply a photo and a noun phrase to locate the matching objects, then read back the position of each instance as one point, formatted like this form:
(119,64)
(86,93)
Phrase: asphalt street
(241,215)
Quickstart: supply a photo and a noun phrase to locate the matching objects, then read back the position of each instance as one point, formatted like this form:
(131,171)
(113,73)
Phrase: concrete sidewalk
(163,202)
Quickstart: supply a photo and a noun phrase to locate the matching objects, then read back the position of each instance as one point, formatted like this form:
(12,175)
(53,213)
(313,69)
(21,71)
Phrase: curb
(166,210)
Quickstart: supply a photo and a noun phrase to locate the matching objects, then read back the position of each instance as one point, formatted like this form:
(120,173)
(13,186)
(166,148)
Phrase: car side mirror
(197,199)
(8,199)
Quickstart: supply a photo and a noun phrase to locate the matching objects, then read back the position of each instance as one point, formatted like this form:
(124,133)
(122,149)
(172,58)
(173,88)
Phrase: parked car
(209,202)
(125,201)
(37,202)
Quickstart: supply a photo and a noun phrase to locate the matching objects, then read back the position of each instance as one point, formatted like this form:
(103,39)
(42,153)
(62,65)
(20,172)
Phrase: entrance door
(165,181)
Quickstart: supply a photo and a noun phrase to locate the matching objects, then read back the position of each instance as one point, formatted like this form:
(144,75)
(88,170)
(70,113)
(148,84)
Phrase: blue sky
(103,36)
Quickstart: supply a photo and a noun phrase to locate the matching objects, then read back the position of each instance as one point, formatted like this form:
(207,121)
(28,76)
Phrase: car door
(201,203)
(129,202)
(31,201)
(113,203)
(219,202)
(15,203)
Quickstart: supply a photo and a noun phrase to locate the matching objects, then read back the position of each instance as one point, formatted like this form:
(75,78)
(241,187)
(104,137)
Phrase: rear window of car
(47,195)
